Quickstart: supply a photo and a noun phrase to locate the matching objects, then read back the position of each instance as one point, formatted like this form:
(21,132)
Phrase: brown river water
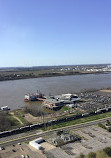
(12,92)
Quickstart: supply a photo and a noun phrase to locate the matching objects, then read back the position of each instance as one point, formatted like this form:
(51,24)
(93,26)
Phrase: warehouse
(36,143)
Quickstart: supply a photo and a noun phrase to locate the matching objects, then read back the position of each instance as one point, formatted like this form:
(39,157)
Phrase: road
(37,135)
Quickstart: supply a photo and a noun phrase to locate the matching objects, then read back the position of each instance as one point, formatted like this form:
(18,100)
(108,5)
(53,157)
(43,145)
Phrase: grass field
(14,122)
(20,114)
(81,120)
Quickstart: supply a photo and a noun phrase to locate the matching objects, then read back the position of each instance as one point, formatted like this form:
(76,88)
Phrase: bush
(92,155)
(81,155)
(59,132)
(107,150)
(108,122)
(109,129)
(60,142)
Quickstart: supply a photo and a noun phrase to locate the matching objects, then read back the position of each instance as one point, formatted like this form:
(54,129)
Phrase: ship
(38,96)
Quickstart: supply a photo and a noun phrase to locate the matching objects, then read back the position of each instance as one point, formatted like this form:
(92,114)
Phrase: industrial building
(53,104)
(36,143)
(56,102)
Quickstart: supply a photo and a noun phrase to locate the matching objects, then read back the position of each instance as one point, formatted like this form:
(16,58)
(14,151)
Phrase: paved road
(34,136)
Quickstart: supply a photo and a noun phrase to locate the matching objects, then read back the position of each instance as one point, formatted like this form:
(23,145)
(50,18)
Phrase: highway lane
(19,135)
(34,136)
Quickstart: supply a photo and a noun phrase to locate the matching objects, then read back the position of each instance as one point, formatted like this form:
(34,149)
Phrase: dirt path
(16,118)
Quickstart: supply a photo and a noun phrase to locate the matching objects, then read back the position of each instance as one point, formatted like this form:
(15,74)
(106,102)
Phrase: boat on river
(38,96)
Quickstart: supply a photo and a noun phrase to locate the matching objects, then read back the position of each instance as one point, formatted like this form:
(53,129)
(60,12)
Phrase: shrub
(59,132)
(107,150)
(92,155)
(60,142)
(109,129)
(81,155)
(108,122)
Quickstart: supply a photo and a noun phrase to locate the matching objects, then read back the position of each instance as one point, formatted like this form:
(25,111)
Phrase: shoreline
(21,117)
(52,75)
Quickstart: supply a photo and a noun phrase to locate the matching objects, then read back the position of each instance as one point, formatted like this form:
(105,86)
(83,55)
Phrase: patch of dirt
(32,119)
(106,90)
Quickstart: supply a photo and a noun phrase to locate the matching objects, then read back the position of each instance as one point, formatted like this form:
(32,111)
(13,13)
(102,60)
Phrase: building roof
(54,101)
(36,143)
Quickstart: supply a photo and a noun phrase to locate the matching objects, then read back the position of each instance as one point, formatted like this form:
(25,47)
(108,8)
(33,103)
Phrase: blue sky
(54,32)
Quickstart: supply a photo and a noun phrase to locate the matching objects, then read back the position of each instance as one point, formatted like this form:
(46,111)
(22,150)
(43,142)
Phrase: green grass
(81,120)
(14,122)
(64,108)
(20,114)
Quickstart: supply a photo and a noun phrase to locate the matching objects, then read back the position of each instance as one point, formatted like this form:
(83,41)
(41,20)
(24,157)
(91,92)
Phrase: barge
(38,96)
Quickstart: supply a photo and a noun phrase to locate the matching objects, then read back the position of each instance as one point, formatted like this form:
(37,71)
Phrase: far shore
(24,75)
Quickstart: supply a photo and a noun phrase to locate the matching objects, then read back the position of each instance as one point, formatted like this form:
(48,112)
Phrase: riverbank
(100,98)
(17,75)
(93,105)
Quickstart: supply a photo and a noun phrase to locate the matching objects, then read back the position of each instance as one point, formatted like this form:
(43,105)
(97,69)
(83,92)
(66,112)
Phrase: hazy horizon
(55,65)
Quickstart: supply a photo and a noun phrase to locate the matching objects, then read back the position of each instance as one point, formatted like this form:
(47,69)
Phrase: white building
(68,98)
(70,105)
(36,143)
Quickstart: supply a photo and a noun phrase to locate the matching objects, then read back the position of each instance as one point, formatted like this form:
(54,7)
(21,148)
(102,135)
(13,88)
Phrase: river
(12,92)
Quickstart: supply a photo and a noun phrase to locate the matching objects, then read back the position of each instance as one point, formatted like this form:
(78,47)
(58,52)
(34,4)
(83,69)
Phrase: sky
(54,32)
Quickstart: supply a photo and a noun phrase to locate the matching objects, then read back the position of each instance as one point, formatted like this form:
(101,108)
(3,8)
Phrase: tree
(109,129)
(107,150)
(92,155)
(60,142)
(108,122)
(59,132)
(81,155)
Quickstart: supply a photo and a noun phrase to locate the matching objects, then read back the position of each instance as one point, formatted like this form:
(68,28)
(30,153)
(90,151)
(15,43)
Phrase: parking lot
(94,100)
(94,138)
(20,150)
